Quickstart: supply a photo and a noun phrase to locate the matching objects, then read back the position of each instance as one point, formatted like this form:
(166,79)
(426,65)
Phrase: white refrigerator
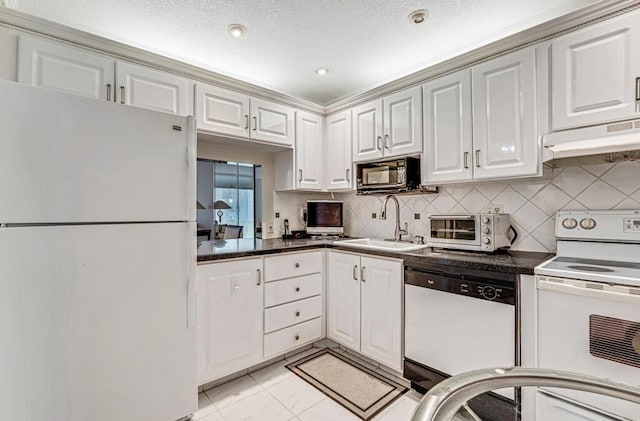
(97,254)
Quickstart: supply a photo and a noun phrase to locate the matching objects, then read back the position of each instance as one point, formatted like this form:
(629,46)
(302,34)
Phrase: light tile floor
(276,394)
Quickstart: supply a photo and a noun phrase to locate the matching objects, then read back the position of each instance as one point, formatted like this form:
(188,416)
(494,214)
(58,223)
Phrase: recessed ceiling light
(236,30)
(322,70)
(418,16)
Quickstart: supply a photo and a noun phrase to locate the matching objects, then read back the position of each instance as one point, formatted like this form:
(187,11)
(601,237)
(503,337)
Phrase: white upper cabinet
(152,89)
(308,150)
(367,131)
(227,112)
(402,116)
(56,66)
(448,138)
(505,134)
(481,123)
(221,110)
(338,169)
(272,122)
(594,73)
(388,127)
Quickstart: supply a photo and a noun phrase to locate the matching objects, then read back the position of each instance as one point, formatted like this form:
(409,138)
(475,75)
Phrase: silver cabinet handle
(379,140)
(347,175)
(362,274)
(478,158)
(255,123)
(355,272)
(258,277)
(386,141)
(297,337)
(300,174)
(297,265)
(246,121)
(297,314)
(638,89)
(297,289)
(466,159)
(121,94)
(108,92)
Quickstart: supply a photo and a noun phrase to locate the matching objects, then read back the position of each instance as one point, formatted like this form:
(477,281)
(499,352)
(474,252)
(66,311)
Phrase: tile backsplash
(531,203)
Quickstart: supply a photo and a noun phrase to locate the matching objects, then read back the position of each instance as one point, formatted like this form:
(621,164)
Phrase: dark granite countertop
(518,262)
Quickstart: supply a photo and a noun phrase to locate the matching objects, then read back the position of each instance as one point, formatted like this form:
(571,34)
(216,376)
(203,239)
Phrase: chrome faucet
(383,215)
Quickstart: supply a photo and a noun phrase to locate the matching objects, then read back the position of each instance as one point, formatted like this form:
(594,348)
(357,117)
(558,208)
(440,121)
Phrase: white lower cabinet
(364,306)
(549,408)
(229,317)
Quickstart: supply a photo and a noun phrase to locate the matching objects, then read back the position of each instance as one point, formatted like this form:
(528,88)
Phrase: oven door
(460,231)
(591,328)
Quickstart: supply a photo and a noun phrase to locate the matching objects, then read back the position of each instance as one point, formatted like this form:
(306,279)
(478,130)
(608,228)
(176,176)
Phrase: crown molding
(34,25)
(539,33)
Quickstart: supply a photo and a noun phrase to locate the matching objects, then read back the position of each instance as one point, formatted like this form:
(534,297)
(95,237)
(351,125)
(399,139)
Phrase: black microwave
(388,176)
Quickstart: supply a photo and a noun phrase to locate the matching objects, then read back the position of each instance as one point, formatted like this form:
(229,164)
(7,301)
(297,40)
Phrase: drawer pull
(297,337)
(258,277)
(297,265)
(297,289)
(297,314)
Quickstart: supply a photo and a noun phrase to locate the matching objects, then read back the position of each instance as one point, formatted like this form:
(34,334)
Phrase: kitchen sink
(379,244)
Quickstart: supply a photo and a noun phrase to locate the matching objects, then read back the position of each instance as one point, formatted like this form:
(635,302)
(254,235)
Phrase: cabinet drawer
(287,290)
(289,314)
(290,265)
(283,340)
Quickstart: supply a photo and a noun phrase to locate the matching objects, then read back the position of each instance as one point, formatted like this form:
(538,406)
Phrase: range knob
(486,230)
(588,223)
(486,220)
(489,292)
(569,223)
(486,240)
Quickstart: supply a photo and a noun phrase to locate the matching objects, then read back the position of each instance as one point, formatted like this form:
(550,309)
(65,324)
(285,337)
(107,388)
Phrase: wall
(249,153)
(8,53)
(531,203)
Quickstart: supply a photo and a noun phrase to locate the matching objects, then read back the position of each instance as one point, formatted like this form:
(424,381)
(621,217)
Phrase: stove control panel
(631,225)
(611,226)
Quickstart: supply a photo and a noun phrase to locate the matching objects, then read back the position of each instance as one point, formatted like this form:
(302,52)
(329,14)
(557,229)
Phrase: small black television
(324,217)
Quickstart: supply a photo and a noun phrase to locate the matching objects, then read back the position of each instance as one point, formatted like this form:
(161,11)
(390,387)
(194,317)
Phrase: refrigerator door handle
(191,275)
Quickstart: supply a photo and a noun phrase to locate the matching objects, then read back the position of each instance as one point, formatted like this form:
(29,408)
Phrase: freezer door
(94,323)
(67,158)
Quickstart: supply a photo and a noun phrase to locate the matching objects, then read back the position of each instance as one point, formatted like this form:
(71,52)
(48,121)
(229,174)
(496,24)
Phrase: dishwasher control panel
(500,291)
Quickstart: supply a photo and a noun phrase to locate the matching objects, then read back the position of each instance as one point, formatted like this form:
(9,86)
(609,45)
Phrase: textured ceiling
(364,43)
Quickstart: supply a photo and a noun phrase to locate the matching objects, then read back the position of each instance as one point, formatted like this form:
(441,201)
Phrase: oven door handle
(604,291)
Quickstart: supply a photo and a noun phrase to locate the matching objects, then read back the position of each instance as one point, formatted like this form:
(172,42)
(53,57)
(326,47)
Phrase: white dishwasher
(457,320)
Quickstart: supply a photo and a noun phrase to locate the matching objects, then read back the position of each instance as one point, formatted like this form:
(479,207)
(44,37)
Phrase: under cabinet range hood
(605,143)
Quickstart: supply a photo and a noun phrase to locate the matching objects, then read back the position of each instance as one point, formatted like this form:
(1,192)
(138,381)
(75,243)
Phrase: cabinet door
(151,89)
(504,116)
(272,122)
(367,131)
(594,73)
(382,311)
(448,138)
(549,408)
(229,317)
(309,136)
(338,173)
(343,299)
(403,122)
(222,111)
(51,65)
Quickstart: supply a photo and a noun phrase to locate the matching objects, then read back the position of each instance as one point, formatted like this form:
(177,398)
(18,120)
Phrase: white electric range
(588,312)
